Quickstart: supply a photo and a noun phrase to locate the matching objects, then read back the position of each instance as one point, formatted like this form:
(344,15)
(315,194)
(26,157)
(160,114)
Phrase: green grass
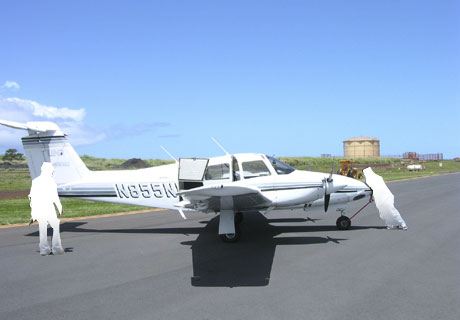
(16,180)
(14,211)
(389,168)
(325,164)
(431,168)
(17,210)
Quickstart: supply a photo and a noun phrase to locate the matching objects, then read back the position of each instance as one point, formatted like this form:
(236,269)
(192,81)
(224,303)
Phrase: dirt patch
(14,194)
(9,165)
(134,163)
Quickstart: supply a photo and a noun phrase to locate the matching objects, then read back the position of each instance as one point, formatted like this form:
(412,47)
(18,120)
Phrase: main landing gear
(233,237)
(238,218)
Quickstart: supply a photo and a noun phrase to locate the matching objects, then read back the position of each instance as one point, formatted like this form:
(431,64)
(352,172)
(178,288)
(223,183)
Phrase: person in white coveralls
(43,196)
(384,201)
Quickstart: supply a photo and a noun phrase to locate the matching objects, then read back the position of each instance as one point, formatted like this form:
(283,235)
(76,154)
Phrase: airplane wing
(213,198)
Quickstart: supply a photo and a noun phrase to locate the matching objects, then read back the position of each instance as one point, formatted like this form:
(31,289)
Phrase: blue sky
(289,78)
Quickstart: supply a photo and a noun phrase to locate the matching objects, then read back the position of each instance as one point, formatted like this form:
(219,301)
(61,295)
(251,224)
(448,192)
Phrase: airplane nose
(358,186)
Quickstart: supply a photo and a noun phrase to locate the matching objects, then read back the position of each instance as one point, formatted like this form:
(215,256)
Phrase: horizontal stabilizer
(33,127)
(14,125)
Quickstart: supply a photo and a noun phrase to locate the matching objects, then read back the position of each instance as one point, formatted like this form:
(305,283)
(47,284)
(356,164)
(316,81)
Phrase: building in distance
(361,147)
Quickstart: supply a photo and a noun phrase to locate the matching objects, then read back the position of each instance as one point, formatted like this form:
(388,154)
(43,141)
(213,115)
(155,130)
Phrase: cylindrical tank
(361,147)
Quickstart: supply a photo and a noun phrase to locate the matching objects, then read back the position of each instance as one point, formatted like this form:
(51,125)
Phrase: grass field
(390,169)
(14,180)
(16,209)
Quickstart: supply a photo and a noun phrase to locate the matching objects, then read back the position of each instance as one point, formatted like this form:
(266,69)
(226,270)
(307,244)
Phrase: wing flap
(208,197)
(218,191)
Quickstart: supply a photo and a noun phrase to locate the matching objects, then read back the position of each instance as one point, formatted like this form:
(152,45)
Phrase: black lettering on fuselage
(171,191)
(157,190)
(133,191)
(122,192)
(147,191)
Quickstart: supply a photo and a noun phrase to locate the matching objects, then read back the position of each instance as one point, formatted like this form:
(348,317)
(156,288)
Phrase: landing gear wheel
(231,237)
(238,217)
(343,223)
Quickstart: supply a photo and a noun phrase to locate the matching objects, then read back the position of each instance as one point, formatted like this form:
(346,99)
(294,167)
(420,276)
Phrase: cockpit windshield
(279,166)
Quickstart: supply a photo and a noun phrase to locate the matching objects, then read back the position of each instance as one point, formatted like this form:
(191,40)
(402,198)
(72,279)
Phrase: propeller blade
(330,176)
(327,197)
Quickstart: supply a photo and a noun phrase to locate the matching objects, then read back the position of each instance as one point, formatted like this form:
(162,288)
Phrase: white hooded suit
(43,196)
(384,200)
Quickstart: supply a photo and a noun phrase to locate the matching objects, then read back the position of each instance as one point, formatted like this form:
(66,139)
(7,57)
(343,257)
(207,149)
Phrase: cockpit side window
(253,169)
(218,172)
(279,166)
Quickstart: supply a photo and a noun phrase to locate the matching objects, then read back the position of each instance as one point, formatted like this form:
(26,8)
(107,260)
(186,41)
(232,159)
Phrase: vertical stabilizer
(47,143)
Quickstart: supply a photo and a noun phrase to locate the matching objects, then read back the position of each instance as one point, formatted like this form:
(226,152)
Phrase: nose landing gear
(343,223)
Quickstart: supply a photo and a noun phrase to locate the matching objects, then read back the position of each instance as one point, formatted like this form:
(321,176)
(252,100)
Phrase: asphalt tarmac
(286,266)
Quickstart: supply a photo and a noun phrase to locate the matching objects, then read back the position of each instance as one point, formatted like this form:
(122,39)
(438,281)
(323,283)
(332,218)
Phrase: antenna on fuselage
(220,146)
(167,152)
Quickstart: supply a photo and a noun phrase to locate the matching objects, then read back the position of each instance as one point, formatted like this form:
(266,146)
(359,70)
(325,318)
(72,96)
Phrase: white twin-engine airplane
(233,185)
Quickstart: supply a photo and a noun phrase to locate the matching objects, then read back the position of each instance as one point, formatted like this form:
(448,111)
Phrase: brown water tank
(361,147)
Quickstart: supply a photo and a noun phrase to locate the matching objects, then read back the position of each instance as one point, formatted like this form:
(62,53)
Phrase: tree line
(12,154)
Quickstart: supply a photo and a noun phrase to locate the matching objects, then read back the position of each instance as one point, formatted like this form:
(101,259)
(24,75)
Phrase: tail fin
(47,143)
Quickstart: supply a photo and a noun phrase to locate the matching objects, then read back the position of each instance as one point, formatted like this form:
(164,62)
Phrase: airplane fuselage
(158,187)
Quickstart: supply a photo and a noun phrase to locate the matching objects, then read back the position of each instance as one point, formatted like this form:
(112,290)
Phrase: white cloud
(46,112)
(69,120)
(11,85)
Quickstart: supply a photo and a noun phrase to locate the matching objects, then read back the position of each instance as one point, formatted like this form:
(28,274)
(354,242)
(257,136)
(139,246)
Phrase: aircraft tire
(343,223)
(230,237)
(239,217)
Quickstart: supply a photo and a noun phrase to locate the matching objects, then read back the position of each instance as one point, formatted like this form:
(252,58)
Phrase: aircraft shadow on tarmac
(245,263)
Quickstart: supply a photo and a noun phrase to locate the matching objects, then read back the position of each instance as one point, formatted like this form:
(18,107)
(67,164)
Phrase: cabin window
(218,172)
(280,167)
(253,169)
